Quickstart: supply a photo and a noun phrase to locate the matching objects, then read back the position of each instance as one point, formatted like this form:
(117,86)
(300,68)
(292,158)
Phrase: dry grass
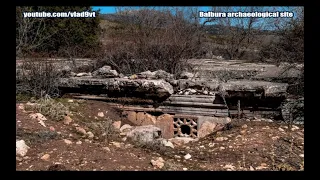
(50,108)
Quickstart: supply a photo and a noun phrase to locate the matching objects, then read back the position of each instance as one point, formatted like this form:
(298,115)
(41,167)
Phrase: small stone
(90,135)
(222,148)
(244,126)
(45,157)
(100,114)
(67,141)
(158,163)
(78,142)
(251,168)
(294,128)
(116,125)
(177,157)
(124,139)
(221,139)
(106,149)
(185,169)
(187,156)
(116,144)
(51,128)
(70,101)
(275,138)
(242,132)
(125,128)
(21,148)
(67,120)
(280,129)
(81,131)
(301,155)
(38,116)
(211,145)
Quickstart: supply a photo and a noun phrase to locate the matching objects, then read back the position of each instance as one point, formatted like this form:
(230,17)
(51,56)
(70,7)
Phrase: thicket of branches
(151,39)
(64,37)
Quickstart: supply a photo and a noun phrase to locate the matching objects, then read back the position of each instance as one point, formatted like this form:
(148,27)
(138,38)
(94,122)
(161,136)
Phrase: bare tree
(29,32)
(237,35)
(153,38)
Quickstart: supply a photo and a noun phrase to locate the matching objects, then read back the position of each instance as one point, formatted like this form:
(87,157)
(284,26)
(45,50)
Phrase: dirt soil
(245,145)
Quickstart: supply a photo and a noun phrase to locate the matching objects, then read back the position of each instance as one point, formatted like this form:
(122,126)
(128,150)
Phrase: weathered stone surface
(195,83)
(206,128)
(83,74)
(131,116)
(116,125)
(149,88)
(125,128)
(165,123)
(144,134)
(105,72)
(220,120)
(271,89)
(145,119)
(187,75)
(181,140)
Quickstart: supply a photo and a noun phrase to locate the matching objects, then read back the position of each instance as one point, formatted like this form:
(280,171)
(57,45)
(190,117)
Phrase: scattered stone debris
(262,166)
(221,139)
(229,167)
(178,141)
(38,116)
(159,162)
(294,127)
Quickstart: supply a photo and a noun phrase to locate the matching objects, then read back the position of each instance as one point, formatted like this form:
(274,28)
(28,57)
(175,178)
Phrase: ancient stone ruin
(194,105)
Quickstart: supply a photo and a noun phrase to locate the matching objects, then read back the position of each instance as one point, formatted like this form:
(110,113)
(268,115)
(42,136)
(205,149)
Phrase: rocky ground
(78,144)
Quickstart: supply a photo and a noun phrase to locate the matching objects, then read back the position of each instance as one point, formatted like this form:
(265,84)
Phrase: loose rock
(116,125)
(81,131)
(100,114)
(45,157)
(187,156)
(158,163)
(68,142)
(125,128)
(67,120)
(21,148)
(90,135)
